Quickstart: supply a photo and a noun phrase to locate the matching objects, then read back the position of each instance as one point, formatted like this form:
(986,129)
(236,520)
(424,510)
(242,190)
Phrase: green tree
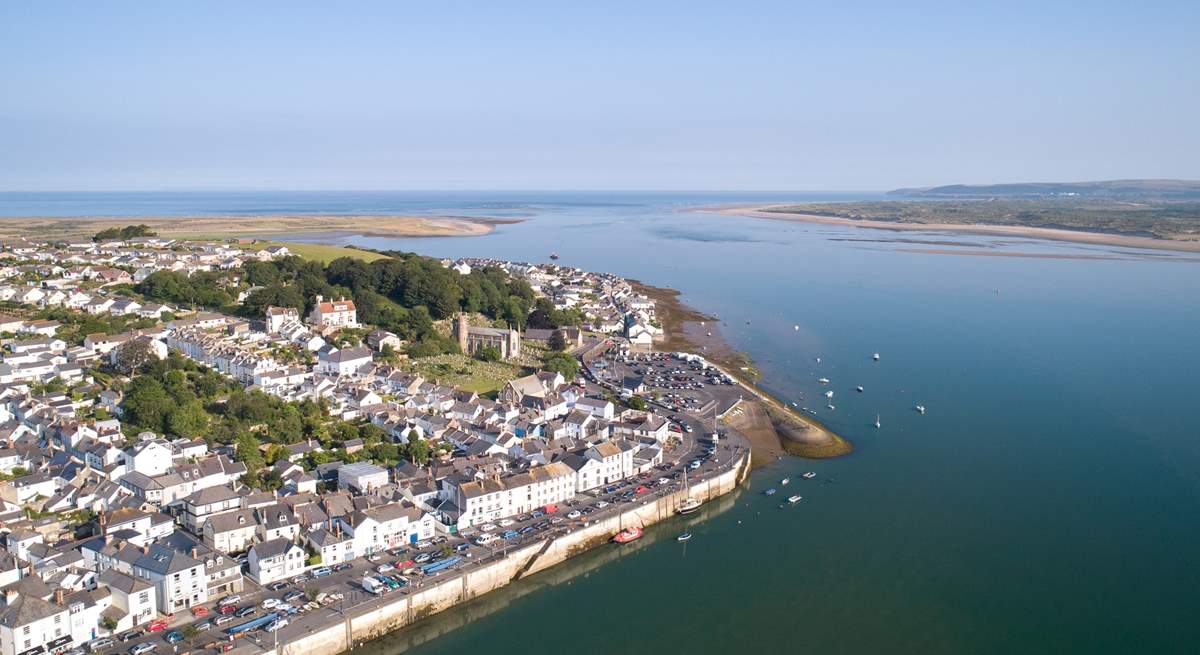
(636,402)
(418,448)
(189,420)
(488,354)
(558,341)
(563,363)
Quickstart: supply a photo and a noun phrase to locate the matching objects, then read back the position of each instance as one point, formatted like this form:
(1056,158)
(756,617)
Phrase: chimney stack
(195,553)
(58,597)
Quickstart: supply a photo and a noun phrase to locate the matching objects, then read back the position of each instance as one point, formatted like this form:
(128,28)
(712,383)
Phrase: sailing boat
(689,504)
(877,424)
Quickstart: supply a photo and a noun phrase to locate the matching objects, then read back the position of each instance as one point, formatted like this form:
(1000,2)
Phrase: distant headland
(1158,214)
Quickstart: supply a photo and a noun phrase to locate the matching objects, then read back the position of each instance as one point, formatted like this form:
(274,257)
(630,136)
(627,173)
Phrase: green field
(325,254)
(466,373)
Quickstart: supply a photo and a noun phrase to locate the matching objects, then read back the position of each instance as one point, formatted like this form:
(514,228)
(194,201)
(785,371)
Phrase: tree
(563,363)
(418,449)
(189,632)
(488,354)
(558,341)
(189,420)
(312,591)
(636,402)
(135,354)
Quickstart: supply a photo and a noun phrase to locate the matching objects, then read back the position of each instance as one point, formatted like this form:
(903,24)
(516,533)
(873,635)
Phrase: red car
(199,610)
(404,564)
(227,609)
(158,626)
(641,489)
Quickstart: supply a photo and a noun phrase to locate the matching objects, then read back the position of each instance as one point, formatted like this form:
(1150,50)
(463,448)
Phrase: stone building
(471,339)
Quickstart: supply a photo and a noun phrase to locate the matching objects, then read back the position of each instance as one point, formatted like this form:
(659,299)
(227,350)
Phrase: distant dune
(1114,189)
(223,227)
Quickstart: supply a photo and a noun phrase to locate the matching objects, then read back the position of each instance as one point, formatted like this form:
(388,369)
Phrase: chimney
(145,549)
(320,298)
(195,553)
(58,597)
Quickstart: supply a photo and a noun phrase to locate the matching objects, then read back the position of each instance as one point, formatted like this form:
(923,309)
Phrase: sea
(1048,500)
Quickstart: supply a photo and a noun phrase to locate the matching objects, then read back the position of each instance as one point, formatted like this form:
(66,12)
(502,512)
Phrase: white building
(335,313)
(362,477)
(495,498)
(278,559)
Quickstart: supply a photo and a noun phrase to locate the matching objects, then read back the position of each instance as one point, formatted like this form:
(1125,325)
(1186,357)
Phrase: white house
(278,559)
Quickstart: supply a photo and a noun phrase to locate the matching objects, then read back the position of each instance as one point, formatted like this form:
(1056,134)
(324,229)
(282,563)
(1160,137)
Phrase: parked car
(227,609)
(203,625)
(384,568)
(321,571)
(303,577)
(131,635)
(269,603)
(142,648)
(245,611)
(421,558)
(601,505)
(229,600)
(223,619)
(574,514)
(199,611)
(99,644)
(344,566)
(157,626)
(278,586)
(504,523)
(292,595)
(276,624)
(462,548)
(173,637)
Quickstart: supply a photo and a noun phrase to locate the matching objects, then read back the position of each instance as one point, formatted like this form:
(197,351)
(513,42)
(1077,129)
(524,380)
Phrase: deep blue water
(1048,502)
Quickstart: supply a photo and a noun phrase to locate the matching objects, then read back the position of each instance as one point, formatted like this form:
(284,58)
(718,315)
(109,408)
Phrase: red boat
(627,535)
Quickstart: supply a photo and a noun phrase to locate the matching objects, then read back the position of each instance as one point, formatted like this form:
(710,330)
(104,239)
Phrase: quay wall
(390,613)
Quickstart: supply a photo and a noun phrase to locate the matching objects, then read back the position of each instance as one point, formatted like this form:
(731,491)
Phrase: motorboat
(921,408)
(770,492)
(684,537)
(785,481)
(877,424)
(875,356)
(627,535)
(829,394)
(792,500)
(553,255)
(823,380)
(809,475)
(859,388)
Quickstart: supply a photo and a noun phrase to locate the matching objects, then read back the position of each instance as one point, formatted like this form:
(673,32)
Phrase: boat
(792,500)
(770,492)
(689,504)
(553,255)
(785,481)
(809,475)
(875,357)
(818,360)
(684,537)
(921,408)
(829,394)
(859,388)
(823,380)
(877,424)
(830,406)
(627,535)
(796,328)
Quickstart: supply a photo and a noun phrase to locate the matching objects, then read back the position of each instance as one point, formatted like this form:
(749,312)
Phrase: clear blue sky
(640,95)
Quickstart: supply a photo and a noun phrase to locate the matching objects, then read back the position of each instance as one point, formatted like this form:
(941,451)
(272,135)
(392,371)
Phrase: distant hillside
(1111,189)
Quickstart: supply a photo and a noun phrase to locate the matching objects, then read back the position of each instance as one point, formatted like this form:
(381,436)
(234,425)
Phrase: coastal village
(137,540)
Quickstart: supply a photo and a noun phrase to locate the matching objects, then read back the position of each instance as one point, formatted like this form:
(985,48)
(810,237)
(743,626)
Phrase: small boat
(553,255)
(859,388)
(684,537)
(829,394)
(770,492)
(792,500)
(785,481)
(875,357)
(921,408)
(689,505)
(877,424)
(627,535)
(796,328)
(809,475)
(823,380)
(710,334)
(830,406)
(818,360)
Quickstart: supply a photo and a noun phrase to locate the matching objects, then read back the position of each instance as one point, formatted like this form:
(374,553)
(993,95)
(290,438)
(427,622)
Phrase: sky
(788,96)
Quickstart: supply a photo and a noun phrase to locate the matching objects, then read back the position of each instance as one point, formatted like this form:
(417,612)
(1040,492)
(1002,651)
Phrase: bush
(488,354)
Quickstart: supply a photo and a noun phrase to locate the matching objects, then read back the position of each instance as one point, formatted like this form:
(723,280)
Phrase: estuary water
(1047,502)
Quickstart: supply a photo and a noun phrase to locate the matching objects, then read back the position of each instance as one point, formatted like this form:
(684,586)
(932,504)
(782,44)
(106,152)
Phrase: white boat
(688,504)
(684,537)
(818,360)
(830,406)
(859,388)
(809,475)
(792,500)
(921,408)
(770,492)
(785,481)
(875,357)
(823,380)
(877,424)
(829,394)
(796,328)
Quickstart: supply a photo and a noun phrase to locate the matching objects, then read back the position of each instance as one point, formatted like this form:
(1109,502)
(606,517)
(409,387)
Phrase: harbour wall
(379,617)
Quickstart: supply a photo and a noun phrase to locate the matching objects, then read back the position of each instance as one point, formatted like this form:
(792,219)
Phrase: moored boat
(792,500)
(785,481)
(770,492)
(684,537)
(689,505)
(809,475)
(627,535)
(823,380)
(921,408)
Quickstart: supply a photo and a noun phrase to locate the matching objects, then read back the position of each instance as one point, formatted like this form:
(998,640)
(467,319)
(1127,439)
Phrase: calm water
(1048,502)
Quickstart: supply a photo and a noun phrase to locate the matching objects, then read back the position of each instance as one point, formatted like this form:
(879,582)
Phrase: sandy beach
(1096,238)
(224,227)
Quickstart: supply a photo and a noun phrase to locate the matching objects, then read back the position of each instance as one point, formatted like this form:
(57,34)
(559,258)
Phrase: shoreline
(1050,234)
(772,427)
(220,226)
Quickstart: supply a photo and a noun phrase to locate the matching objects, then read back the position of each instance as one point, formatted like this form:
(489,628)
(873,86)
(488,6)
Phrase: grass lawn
(466,373)
(325,254)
